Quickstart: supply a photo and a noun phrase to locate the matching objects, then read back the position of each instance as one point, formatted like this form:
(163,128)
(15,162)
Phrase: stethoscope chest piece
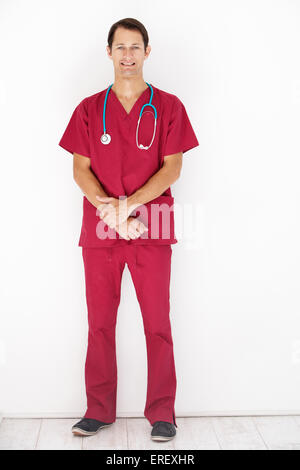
(105,139)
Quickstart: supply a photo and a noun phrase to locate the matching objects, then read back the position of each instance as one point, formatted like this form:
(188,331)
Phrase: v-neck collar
(122,109)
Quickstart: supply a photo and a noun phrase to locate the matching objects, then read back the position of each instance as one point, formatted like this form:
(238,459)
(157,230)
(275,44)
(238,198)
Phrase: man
(125,167)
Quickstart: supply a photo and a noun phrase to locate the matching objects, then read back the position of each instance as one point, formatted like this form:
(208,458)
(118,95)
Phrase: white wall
(235,293)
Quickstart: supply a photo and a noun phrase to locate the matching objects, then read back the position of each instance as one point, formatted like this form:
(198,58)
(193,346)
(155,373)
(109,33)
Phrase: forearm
(90,185)
(154,187)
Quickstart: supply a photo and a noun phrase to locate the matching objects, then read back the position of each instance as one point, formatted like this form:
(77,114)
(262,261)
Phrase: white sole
(81,432)
(161,438)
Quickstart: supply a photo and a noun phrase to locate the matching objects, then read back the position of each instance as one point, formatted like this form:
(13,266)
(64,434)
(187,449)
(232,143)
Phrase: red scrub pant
(150,268)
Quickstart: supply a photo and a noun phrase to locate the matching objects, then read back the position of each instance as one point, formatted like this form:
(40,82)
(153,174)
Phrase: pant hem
(94,415)
(162,418)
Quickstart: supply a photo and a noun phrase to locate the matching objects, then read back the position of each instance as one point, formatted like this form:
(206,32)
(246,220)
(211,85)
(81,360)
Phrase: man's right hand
(132,228)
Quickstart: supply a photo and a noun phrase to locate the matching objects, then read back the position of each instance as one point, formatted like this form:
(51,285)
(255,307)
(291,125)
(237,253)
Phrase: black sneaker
(88,427)
(163,431)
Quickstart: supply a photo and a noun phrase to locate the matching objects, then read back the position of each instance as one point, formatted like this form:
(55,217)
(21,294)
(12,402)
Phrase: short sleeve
(76,135)
(180,134)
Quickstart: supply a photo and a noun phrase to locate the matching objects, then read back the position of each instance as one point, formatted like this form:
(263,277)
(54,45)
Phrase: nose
(127,53)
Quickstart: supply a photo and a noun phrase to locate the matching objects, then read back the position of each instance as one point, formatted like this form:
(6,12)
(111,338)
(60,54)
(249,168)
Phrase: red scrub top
(121,167)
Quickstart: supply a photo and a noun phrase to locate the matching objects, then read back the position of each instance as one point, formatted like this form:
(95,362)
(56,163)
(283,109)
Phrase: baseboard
(206,414)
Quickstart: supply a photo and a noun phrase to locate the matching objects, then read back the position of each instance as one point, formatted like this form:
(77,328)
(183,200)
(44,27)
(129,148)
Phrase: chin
(128,72)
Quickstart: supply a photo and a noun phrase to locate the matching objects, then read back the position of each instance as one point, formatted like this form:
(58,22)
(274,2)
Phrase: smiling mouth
(128,65)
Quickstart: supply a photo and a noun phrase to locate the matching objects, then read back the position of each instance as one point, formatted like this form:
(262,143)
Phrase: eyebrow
(133,44)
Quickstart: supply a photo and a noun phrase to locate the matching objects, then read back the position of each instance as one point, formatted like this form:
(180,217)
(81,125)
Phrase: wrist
(132,204)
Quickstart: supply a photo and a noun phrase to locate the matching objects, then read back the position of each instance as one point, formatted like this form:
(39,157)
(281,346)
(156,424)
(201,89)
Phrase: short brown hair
(128,23)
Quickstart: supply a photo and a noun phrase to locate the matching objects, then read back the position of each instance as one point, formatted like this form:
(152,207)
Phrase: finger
(111,222)
(125,236)
(142,227)
(100,209)
(136,231)
(137,234)
(133,234)
(111,218)
(134,224)
(123,233)
(138,225)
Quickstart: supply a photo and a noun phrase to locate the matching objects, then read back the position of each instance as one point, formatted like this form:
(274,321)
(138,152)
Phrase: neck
(129,87)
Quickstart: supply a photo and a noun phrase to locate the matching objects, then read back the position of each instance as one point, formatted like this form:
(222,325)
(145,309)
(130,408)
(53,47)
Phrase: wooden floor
(254,433)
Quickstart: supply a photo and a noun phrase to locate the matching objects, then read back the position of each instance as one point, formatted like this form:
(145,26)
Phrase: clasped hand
(116,214)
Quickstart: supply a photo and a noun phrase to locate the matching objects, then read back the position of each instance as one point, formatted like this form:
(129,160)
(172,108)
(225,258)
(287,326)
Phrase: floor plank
(235,433)
(139,436)
(238,433)
(19,434)
(195,433)
(297,419)
(279,432)
(56,434)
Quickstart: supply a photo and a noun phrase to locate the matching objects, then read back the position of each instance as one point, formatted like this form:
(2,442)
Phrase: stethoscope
(106,138)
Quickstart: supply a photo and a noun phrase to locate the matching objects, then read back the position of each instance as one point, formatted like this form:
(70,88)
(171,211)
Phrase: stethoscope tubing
(106,138)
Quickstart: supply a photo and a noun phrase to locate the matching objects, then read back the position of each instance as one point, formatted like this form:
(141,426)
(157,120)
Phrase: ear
(148,50)
(108,52)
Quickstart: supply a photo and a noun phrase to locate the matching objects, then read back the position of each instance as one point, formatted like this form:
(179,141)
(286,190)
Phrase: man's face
(128,52)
